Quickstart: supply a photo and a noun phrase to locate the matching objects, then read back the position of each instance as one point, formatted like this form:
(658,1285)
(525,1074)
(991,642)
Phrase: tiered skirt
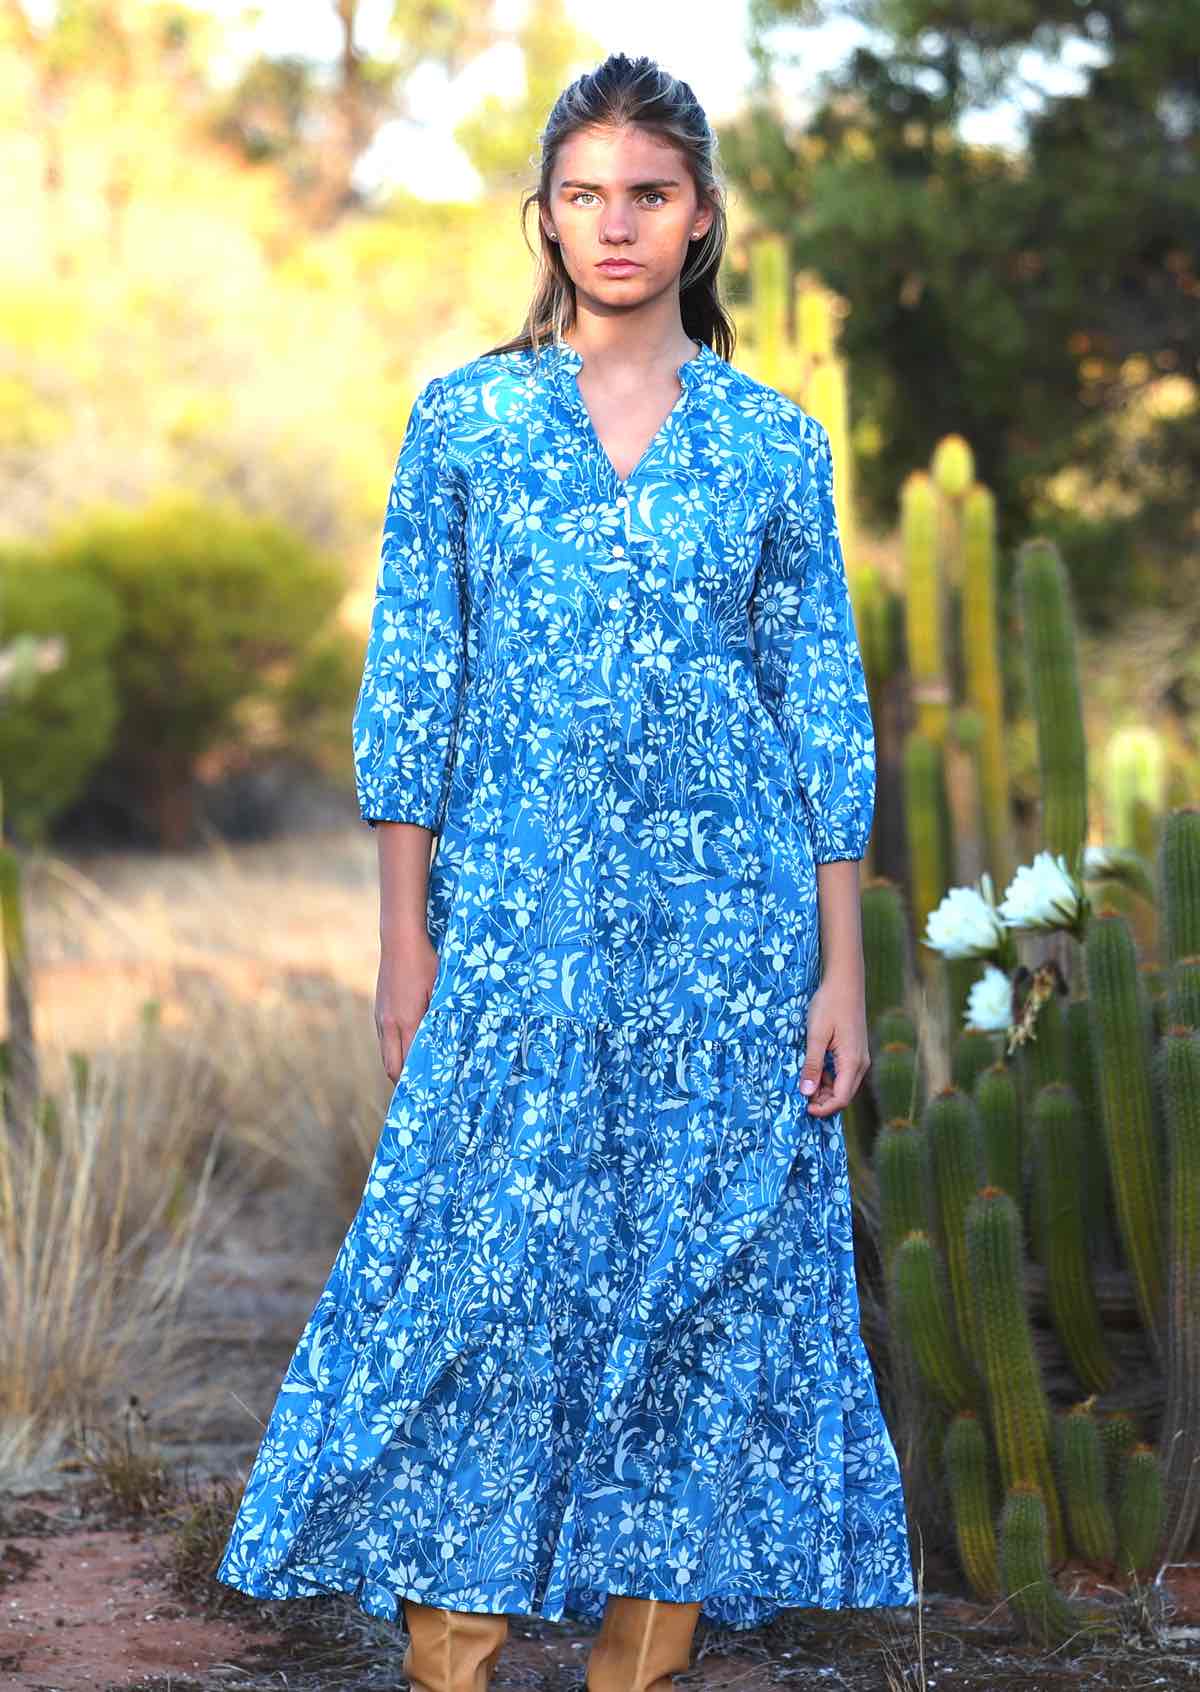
(593,1328)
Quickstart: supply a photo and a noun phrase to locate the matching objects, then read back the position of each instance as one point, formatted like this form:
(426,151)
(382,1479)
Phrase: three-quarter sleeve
(406,714)
(808,664)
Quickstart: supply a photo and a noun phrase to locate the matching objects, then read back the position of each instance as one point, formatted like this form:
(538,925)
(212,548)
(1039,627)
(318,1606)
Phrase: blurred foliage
(1042,302)
(68,717)
(213,293)
(215,607)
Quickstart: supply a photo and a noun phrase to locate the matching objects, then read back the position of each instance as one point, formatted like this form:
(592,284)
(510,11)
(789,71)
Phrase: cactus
(970,1482)
(885,948)
(920,1300)
(927,823)
(1139,1511)
(1180,874)
(899,1170)
(1084,1485)
(1049,637)
(1117,1019)
(1180,1435)
(955,1173)
(1183,994)
(896,1024)
(984,680)
(1029,1592)
(1058,1144)
(999,1116)
(893,1080)
(1135,782)
(923,626)
(974,1051)
(1016,1398)
(1118,1435)
(1093,1170)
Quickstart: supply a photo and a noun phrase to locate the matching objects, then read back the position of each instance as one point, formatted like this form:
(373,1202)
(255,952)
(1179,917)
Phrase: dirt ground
(90,1605)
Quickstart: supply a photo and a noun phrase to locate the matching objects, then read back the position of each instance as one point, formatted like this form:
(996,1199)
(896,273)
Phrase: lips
(618,267)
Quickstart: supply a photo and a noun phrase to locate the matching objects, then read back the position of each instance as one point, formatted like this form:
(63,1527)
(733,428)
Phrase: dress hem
(383,1601)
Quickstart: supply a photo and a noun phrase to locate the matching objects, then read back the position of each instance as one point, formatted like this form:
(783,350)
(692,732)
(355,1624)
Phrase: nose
(615,228)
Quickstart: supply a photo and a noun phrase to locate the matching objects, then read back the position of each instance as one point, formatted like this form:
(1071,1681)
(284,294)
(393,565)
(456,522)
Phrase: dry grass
(204,1030)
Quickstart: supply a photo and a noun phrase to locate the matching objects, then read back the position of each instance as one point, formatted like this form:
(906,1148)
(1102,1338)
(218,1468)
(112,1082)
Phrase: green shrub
(53,736)
(217,607)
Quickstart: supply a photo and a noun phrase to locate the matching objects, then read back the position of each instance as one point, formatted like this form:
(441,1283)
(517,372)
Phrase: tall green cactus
(927,823)
(1180,878)
(1058,1142)
(900,1173)
(970,1483)
(998,1110)
(893,1080)
(1029,1591)
(1084,1485)
(885,948)
(984,680)
(1049,634)
(1080,1075)
(1179,1441)
(1139,1511)
(1016,1397)
(955,1174)
(1118,1018)
(919,1297)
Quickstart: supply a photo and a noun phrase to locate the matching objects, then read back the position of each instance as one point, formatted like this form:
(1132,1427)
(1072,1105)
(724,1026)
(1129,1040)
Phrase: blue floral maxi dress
(595,1327)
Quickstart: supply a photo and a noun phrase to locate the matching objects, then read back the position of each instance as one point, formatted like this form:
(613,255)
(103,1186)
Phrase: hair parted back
(631,91)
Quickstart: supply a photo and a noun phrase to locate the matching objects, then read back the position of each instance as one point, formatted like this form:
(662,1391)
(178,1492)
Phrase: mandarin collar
(566,362)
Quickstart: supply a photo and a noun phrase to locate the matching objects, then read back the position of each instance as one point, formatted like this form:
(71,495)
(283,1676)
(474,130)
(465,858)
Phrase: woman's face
(620,193)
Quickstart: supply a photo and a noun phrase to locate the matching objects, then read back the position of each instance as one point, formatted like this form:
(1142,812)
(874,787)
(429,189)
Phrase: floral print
(595,1327)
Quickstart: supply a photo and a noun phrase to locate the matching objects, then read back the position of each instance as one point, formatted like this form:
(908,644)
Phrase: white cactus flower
(989,1003)
(1042,895)
(966,924)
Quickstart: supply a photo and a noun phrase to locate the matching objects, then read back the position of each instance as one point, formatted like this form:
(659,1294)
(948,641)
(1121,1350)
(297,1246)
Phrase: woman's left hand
(837,1023)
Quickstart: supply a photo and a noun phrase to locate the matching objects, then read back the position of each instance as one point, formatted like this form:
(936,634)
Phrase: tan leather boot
(451,1650)
(641,1643)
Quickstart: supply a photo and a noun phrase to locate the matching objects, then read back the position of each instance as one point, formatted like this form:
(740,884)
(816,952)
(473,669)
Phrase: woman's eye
(586,194)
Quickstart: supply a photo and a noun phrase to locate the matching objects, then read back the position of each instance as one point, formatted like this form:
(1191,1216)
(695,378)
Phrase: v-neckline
(572,364)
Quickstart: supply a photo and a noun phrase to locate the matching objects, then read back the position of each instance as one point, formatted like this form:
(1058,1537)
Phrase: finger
(812,1074)
(393,1049)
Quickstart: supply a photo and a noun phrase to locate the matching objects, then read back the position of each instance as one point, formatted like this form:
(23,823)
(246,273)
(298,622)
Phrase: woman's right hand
(408,967)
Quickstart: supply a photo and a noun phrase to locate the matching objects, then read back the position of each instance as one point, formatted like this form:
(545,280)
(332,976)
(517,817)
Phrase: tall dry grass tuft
(101,1210)
(205,1035)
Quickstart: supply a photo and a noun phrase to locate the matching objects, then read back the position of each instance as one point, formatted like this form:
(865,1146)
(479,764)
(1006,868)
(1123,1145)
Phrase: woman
(591,1344)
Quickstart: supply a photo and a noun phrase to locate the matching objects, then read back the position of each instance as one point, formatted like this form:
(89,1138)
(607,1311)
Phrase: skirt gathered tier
(594,1328)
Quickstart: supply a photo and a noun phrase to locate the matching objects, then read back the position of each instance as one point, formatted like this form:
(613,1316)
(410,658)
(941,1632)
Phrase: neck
(630,344)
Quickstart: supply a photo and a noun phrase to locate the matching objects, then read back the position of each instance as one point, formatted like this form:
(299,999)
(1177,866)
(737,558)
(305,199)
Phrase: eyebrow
(655,182)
